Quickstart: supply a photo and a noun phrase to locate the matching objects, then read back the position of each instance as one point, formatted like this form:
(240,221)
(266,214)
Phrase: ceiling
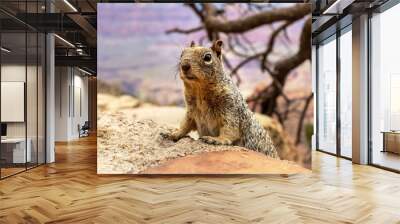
(332,15)
(73,21)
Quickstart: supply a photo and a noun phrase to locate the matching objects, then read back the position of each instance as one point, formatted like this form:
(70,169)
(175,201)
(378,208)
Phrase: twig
(271,43)
(245,61)
(233,49)
(184,31)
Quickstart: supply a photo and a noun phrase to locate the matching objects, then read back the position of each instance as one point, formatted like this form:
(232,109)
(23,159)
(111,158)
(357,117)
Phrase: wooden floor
(386,159)
(70,191)
(5,172)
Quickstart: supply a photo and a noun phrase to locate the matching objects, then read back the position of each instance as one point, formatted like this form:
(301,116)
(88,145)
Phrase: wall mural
(204,88)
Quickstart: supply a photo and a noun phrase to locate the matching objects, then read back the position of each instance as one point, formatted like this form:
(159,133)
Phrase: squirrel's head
(201,64)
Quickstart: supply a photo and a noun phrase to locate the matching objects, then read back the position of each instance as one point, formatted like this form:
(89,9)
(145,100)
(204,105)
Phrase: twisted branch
(241,25)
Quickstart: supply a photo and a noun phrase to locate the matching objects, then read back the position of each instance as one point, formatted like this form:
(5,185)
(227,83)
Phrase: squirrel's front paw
(215,140)
(171,136)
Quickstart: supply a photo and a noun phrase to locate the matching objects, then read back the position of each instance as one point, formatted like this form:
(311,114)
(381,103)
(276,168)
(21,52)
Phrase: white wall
(33,126)
(81,82)
(15,73)
(62,81)
(70,84)
(13,101)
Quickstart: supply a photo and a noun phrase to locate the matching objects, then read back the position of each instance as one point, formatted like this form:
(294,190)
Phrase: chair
(84,130)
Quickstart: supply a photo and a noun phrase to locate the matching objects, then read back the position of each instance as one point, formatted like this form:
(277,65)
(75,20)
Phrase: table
(18,151)
(391,141)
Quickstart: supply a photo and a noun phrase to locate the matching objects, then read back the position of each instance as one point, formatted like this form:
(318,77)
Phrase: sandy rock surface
(129,142)
(128,145)
(172,116)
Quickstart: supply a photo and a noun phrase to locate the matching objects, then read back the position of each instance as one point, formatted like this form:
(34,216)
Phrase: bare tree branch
(303,53)
(214,22)
(233,49)
(209,9)
(266,93)
(295,12)
(183,31)
(272,41)
(283,67)
(196,10)
(248,42)
(245,61)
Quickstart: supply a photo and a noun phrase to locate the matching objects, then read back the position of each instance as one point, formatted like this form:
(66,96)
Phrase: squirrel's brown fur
(215,107)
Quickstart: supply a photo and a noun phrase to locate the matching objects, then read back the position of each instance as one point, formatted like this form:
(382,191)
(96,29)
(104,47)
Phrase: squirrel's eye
(207,57)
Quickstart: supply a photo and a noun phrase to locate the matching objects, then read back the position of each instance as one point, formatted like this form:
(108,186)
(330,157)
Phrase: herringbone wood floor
(70,191)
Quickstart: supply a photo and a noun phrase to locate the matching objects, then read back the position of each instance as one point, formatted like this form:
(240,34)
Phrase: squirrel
(214,106)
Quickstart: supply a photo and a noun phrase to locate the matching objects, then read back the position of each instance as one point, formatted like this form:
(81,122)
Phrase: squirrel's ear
(217,47)
(192,44)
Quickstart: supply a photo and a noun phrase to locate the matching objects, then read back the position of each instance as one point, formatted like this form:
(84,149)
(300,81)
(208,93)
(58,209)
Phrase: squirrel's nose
(185,67)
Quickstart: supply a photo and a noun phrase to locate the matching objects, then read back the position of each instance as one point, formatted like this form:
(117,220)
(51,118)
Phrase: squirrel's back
(253,135)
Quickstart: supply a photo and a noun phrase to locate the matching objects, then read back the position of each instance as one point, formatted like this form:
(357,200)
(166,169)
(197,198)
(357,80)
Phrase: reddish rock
(227,162)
